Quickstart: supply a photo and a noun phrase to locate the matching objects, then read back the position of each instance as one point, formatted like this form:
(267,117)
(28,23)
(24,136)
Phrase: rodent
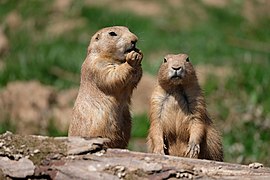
(110,72)
(179,122)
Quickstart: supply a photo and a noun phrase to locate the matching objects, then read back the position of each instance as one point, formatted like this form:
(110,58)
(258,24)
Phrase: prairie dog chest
(174,111)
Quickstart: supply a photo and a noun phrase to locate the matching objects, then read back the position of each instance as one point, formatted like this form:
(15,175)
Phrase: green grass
(252,140)
(54,131)
(240,103)
(140,126)
(6,125)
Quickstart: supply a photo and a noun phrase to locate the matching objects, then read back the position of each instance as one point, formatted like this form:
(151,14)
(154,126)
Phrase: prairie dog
(110,72)
(179,122)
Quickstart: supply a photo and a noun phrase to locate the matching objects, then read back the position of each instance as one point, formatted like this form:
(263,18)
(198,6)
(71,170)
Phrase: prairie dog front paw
(134,58)
(193,150)
(159,151)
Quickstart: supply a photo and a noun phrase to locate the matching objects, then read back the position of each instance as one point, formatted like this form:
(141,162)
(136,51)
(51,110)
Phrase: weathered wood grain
(77,158)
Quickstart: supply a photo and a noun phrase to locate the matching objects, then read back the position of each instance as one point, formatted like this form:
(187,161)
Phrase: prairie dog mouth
(175,76)
(132,47)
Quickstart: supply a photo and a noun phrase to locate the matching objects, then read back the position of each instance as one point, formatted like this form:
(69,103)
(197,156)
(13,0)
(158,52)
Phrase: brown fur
(180,124)
(110,72)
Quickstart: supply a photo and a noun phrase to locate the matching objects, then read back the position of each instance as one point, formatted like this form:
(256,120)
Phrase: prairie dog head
(176,70)
(113,42)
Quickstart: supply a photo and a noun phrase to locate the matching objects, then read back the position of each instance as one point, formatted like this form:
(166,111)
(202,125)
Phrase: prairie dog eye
(112,33)
(164,60)
(187,60)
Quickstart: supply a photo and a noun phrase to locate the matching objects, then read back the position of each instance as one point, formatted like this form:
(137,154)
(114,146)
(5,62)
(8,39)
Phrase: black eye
(187,60)
(112,33)
(164,60)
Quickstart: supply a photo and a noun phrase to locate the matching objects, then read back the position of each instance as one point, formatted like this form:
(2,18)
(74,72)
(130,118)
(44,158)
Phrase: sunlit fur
(180,124)
(108,76)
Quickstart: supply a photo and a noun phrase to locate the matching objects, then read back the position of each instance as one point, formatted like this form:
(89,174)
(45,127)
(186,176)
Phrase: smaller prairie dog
(179,122)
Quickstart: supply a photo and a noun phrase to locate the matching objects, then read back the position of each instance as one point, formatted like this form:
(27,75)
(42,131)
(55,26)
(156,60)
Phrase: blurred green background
(228,42)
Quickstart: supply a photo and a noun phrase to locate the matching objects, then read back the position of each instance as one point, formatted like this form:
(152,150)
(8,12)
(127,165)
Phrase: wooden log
(39,157)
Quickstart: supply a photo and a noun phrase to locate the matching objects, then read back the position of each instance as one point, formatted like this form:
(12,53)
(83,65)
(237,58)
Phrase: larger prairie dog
(180,124)
(110,72)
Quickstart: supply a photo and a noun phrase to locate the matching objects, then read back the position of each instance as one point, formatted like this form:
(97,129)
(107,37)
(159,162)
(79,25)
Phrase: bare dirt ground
(30,106)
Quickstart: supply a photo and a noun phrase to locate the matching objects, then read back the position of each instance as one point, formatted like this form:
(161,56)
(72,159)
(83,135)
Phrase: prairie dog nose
(176,68)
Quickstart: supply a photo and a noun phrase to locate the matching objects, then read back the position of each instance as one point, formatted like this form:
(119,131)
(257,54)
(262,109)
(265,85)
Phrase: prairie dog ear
(97,37)
(93,41)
